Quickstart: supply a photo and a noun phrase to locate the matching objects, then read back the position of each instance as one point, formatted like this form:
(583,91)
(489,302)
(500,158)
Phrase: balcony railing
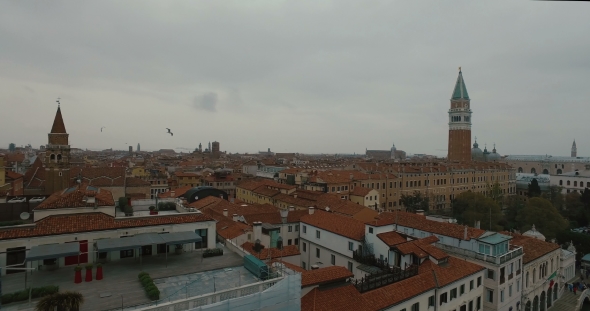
(385,277)
(497,260)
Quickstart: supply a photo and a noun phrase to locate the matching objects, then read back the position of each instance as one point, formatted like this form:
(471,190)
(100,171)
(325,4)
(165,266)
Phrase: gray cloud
(207,102)
(324,76)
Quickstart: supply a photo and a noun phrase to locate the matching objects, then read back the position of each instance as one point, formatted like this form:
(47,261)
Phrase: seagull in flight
(171,134)
(104,127)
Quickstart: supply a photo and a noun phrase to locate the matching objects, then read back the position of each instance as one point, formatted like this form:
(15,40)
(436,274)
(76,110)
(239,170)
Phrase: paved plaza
(196,284)
(120,285)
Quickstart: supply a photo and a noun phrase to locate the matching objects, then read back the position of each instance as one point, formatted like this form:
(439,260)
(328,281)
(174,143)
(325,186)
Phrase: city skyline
(327,77)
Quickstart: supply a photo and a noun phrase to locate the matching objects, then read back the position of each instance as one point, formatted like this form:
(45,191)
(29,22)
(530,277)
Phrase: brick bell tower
(57,156)
(460,123)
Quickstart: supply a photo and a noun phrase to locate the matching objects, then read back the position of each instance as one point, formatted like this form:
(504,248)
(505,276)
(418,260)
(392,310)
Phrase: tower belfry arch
(460,123)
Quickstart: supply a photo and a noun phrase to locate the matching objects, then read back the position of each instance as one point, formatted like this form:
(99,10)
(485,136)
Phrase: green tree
(64,301)
(541,213)
(574,210)
(514,204)
(495,192)
(555,196)
(470,207)
(585,198)
(534,189)
(415,201)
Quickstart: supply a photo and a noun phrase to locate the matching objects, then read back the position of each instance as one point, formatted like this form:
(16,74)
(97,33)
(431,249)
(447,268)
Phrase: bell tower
(574,150)
(460,123)
(57,156)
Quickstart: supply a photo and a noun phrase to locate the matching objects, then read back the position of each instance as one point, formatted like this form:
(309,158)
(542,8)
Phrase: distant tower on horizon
(209,146)
(138,148)
(200,147)
(574,150)
(460,123)
(130,150)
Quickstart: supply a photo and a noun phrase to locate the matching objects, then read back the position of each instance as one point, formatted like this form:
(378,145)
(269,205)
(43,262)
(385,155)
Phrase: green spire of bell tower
(460,91)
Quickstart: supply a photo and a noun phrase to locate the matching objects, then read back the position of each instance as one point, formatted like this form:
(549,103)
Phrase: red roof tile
(325,275)
(74,223)
(392,238)
(74,197)
(533,248)
(288,250)
(344,297)
(341,225)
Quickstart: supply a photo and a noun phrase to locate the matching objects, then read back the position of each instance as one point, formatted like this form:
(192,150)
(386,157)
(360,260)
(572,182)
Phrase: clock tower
(460,123)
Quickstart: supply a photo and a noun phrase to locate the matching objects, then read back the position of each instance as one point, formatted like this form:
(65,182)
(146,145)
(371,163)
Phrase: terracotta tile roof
(452,271)
(99,176)
(266,191)
(13,175)
(291,200)
(392,238)
(386,296)
(411,248)
(432,250)
(74,223)
(74,197)
(288,250)
(206,202)
(341,225)
(226,227)
(361,191)
(325,275)
(412,220)
(533,248)
(344,297)
(35,175)
(14,157)
(136,182)
(178,192)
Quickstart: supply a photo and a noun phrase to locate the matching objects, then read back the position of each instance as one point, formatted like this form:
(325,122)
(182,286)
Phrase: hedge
(148,285)
(212,252)
(23,295)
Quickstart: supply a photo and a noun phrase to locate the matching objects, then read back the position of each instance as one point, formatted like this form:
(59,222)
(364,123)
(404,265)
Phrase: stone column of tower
(57,156)
(574,150)
(459,123)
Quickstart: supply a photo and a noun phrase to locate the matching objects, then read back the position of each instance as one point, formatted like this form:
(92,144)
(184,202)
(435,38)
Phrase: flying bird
(102,128)
(171,134)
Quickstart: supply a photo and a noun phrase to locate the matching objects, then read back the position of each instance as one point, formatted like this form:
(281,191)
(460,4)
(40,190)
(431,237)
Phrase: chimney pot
(235,217)
(225,212)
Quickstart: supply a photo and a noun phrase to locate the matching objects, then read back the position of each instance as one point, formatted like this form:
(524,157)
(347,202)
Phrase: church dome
(476,153)
(533,233)
(494,156)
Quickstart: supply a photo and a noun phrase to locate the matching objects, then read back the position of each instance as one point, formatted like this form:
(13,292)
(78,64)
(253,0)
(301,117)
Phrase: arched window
(536,303)
(542,301)
(520,169)
(52,157)
(533,171)
(575,183)
(559,172)
(588,184)
(568,182)
(59,157)
(551,264)
(561,182)
(534,274)
(528,306)
(545,171)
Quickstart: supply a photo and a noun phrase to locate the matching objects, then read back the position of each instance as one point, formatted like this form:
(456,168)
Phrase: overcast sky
(295,76)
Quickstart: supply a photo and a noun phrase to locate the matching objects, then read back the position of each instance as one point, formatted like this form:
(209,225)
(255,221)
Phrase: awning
(184,237)
(53,251)
(137,241)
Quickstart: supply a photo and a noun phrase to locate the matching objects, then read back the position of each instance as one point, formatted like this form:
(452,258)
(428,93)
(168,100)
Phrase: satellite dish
(24,215)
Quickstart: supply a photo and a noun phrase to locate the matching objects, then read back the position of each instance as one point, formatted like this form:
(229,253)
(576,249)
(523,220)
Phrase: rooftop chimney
(420,212)
(284,215)
(235,217)
(257,228)
(225,212)
(295,195)
(291,208)
(311,210)
(172,193)
(465,234)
